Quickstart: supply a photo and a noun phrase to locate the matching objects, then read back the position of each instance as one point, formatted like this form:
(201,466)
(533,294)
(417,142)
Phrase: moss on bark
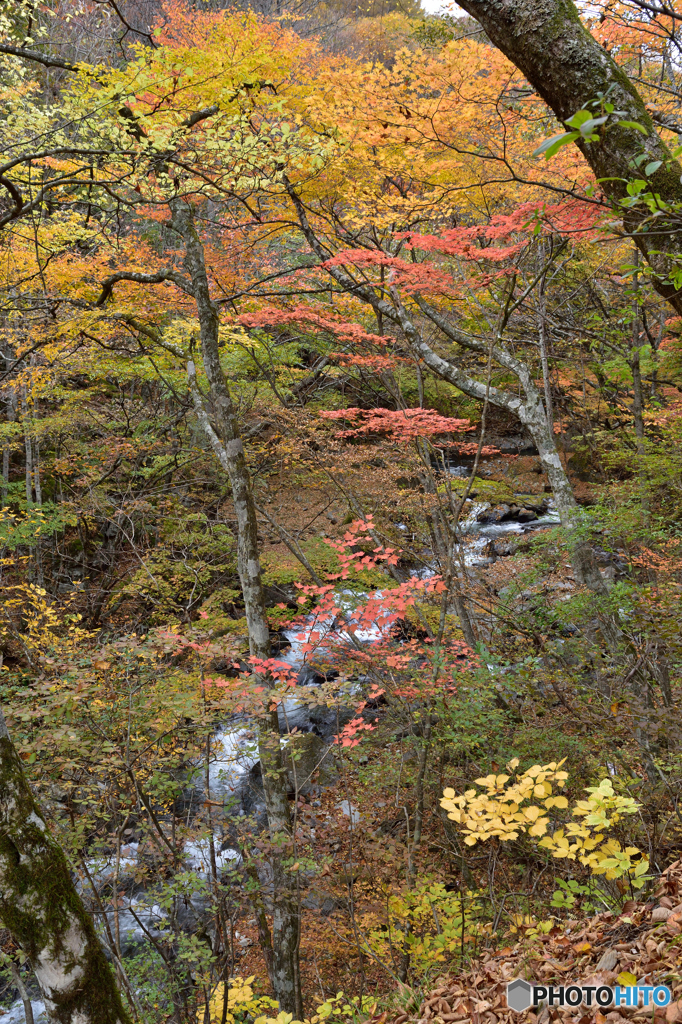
(41,908)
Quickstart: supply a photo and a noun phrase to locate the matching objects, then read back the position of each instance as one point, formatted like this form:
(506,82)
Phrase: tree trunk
(547,41)
(635,367)
(530,410)
(40,907)
(23,994)
(227,445)
(10,413)
(29,452)
(542,338)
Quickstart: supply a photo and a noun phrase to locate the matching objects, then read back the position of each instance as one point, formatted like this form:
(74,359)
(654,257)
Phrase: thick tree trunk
(41,908)
(547,41)
(227,445)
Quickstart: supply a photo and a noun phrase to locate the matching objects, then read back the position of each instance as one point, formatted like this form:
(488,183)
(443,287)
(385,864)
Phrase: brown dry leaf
(674,1012)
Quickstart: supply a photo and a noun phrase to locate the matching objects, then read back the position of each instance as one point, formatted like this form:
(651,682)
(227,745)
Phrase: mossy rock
(219,598)
(494,491)
(223,625)
(430,613)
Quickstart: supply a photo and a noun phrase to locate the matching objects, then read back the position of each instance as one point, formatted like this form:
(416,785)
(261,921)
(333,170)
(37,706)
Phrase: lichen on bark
(41,908)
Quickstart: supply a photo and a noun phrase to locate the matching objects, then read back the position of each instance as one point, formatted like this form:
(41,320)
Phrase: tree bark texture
(548,42)
(227,445)
(42,910)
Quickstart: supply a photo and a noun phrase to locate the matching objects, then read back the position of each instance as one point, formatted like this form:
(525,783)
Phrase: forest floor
(640,945)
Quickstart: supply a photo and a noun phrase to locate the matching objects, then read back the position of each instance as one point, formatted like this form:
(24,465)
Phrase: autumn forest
(341,509)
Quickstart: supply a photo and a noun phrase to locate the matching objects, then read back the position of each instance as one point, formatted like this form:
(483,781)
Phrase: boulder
(511,514)
(501,547)
(490,516)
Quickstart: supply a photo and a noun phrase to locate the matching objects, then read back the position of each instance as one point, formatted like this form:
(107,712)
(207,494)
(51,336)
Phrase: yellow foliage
(497,811)
(240,1001)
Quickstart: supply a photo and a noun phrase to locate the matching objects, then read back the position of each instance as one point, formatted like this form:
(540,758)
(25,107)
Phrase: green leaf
(653,166)
(579,118)
(551,146)
(587,127)
(635,187)
(634,124)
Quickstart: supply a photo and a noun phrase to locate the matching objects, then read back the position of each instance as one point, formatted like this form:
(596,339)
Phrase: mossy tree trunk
(42,910)
(548,42)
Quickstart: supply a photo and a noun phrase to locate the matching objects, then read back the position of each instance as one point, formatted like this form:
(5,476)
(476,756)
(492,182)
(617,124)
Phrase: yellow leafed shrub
(506,808)
(241,1002)
(243,1006)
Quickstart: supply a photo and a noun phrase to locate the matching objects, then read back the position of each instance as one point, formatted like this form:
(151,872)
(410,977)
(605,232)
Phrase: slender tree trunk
(23,994)
(635,366)
(36,472)
(28,448)
(227,445)
(5,476)
(11,414)
(529,410)
(638,392)
(655,343)
(532,415)
(638,398)
(418,822)
(42,910)
(542,337)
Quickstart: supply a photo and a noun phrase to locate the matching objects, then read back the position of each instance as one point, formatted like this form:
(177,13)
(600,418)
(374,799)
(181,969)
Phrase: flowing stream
(233,771)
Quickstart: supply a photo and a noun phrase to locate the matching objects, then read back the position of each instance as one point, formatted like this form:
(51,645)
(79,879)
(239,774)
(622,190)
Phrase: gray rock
(494,515)
(350,811)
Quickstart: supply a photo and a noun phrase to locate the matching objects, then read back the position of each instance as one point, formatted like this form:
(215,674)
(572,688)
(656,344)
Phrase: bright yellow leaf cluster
(522,808)
(498,811)
(242,1003)
(240,1000)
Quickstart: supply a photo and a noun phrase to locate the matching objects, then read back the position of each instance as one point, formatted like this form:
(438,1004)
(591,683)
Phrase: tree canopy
(341,375)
